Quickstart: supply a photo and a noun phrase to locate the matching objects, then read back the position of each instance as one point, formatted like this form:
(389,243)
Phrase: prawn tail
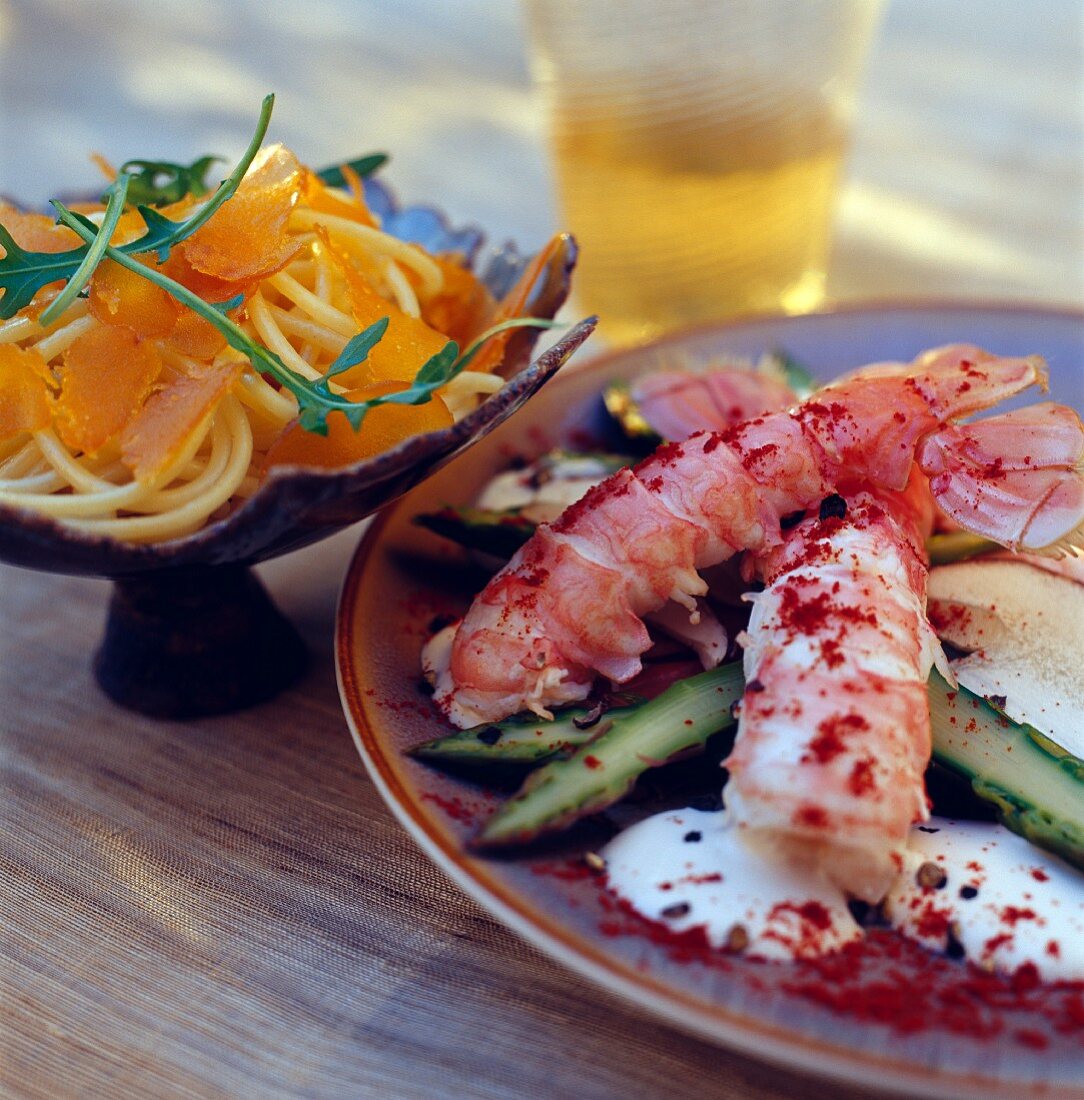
(1016,478)
(959,380)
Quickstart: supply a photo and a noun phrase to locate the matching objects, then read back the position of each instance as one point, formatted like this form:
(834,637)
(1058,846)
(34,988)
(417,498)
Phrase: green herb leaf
(85,270)
(160,182)
(357,350)
(229,305)
(796,375)
(162,234)
(441,368)
(363,166)
(23,273)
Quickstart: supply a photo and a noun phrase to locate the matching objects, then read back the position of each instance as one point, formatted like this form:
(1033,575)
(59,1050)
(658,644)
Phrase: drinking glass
(698,147)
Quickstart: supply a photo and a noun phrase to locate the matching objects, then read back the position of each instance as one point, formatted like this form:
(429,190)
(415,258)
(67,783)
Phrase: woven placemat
(226,908)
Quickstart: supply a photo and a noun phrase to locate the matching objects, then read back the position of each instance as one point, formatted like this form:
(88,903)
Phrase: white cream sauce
(688,868)
(1006,902)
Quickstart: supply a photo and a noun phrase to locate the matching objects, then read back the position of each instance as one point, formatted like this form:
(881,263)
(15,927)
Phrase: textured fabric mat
(226,908)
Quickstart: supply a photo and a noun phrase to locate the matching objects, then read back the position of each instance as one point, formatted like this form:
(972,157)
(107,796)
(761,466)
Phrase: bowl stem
(185,643)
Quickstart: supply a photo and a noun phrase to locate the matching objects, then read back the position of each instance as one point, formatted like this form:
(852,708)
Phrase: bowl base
(188,643)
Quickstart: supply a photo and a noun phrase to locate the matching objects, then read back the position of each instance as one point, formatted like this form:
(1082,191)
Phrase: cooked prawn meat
(570,604)
(834,730)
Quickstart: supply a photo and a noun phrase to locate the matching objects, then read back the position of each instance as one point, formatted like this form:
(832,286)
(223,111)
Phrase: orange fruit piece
(195,336)
(208,287)
(512,305)
(317,196)
(24,398)
(36,232)
(463,305)
(171,416)
(246,238)
(382,428)
(104,378)
(406,345)
(121,297)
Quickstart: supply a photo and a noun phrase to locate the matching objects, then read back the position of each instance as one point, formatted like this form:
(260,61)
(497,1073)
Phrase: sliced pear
(1022,627)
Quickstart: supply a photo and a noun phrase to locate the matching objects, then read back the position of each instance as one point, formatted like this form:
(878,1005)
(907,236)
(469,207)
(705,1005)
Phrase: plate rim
(749,1037)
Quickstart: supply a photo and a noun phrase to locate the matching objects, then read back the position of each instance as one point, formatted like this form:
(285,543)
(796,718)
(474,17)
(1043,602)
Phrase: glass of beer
(698,146)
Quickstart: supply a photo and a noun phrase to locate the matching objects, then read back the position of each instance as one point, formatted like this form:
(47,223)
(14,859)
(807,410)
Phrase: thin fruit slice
(104,378)
(24,398)
(384,426)
(172,415)
(1022,628)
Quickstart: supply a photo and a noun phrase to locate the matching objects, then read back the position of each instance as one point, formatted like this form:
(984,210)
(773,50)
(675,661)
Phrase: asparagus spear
(602,771)
(957,545)
(497,533)
(1036,787)
(525,738)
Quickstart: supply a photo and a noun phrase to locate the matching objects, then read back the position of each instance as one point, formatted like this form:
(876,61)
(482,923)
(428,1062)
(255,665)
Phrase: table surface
(225,907)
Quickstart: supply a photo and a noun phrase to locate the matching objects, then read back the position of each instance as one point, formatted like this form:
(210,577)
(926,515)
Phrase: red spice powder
(832,652)
(1029,1037)
(885,980)
(812,912)
(565,870)
(994,942)
(932,923)
(812,817)
(831,737)
(862,779)
(455,807)
(592,762)
(759,454)
(1012,915)
(688,947)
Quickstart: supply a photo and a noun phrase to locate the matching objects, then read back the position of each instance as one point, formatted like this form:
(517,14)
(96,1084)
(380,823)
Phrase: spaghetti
(129,415)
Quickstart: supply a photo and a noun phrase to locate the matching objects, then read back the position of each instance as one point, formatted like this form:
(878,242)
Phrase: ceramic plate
(894,1017)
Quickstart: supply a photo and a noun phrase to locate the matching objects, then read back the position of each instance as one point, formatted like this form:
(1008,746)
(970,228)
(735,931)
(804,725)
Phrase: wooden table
(225,907)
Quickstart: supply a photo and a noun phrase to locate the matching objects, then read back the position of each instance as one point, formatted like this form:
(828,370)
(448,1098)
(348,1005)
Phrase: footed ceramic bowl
(190,629)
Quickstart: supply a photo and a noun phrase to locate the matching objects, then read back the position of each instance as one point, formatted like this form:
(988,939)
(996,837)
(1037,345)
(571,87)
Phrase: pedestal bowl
(190,630)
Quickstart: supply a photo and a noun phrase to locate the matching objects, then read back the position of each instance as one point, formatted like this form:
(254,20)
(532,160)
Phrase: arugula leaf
(357,350)
(315,400)
(94,253)
(162,234)
(23,273)
(160,182)
(363,166)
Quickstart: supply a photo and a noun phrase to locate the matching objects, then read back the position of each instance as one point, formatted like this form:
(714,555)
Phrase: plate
(894,1017)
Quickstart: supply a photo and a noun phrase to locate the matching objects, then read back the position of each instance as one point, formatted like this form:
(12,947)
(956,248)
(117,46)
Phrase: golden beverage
(685,224)
(698,146)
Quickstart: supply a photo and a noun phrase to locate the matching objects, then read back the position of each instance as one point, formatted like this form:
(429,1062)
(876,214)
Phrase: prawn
(833,734)
(570,604)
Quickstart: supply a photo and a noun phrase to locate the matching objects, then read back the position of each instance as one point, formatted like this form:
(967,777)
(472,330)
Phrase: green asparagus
(525,739)
(602,771)
(1036,787)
